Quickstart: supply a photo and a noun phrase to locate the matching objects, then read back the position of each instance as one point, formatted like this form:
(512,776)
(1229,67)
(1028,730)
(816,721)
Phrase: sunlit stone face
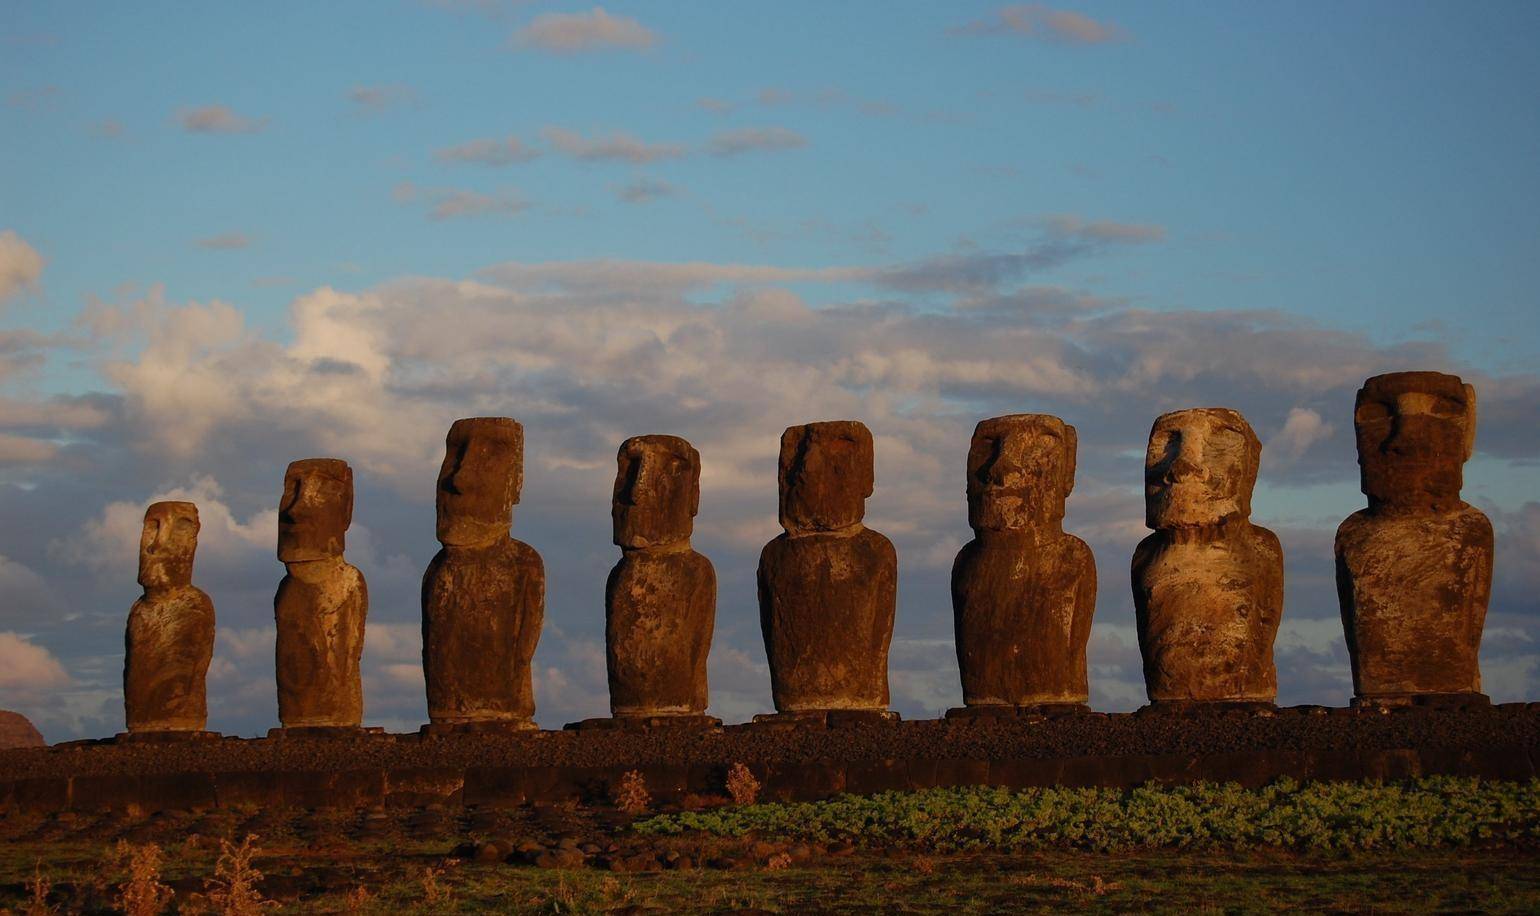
(479,481)
(1020,471)
(1415,431)
(657,491)
(825,475)
(167,544)
(1200,468)
(315,511)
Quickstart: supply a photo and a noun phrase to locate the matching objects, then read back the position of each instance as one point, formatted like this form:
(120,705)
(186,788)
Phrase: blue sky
(1102,211)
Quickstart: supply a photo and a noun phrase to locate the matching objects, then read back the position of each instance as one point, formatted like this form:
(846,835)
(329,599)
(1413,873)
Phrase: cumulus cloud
(1042,23)
(21,267)
(618,146)
(595,30)
(488,151)
(27,668)
(751,139)
(218,119)
(228,241)
(1301,429)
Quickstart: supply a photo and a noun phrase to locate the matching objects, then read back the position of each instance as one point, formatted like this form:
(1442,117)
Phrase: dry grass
(433,893)
(142,893)
(233,889)
(37,894)
(742,785)
(632,796)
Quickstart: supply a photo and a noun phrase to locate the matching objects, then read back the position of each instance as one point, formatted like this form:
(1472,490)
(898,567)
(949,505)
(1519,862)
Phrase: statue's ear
(1470,421)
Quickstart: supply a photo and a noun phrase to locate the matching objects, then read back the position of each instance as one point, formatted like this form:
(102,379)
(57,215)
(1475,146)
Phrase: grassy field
(1436,846)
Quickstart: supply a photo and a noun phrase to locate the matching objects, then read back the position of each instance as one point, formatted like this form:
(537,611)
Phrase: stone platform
(492,769)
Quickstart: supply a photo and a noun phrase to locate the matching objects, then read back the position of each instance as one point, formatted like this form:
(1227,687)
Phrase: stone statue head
(167,544)
(1415,431)
(479,481)
(1021,468)
(1200,468)
(825,475)
(316,509)
(657,491)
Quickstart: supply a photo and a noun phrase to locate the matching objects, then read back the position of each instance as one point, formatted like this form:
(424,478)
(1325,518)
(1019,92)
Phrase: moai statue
(322,601)
(1208,584)
(483,596)
(660,601)
(1023,591)
(170,638)
(828,587)
(1414,570)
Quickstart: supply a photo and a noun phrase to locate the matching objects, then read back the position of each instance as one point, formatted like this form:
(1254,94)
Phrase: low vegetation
(1436,812)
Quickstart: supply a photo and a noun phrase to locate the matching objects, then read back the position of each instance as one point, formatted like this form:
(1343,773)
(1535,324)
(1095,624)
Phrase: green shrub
(1434,812)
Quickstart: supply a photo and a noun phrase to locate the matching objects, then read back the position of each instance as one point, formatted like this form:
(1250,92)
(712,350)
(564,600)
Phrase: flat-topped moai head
(315,510)
(480,480)
(1021,469)
(167,544)
(826,475)
(657,491)
(1200,468)
(1415,432)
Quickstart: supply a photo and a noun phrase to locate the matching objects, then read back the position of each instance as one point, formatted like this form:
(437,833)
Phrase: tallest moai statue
(1414,569)
(483,596)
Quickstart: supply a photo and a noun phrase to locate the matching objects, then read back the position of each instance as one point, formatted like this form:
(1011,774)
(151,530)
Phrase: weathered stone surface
(660,600)
(1414,569)
(1023,591)
(170,638)
(321,603)
(1208,584)
(483,596)
(828,586)
(16,730)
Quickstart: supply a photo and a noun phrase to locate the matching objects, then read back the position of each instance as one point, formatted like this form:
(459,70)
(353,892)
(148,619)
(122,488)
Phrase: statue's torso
(1023,616)
(660,607)
(1208,611)
(320,626)
(1414,591)
(169,643)
(482,612)
(827,603)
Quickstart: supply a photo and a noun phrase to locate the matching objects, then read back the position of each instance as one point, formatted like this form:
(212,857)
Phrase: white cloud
(27,669)
(752,139)
(619,146)
(229,241)
(1043,23)
(21,267)
(488,151)
(1301,429)
(381,98)
(646,190)
(218,119)
(570,33)
(455,203)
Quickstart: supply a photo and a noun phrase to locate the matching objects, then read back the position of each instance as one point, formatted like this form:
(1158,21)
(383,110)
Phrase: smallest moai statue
(1208,584)
(660,600)
(1414,569)
(828,586)
(170,638)
(321,602)
(1023,591)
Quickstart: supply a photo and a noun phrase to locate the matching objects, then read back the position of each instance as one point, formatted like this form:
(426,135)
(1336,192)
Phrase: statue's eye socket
(1448,407)
(1371,412)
